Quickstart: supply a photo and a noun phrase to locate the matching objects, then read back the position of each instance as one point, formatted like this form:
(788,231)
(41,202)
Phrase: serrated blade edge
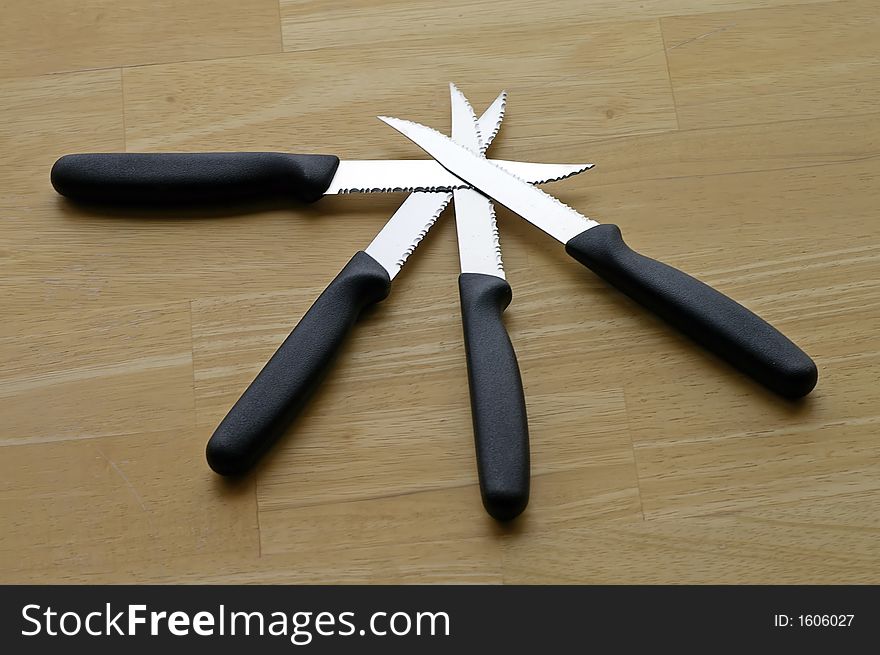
(490,121)
(389,176)
(479,247)
(479,244)
(406,228)
(465,126)
(542,210)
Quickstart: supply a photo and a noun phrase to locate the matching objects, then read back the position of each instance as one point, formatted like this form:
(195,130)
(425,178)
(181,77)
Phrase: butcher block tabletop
(738,140)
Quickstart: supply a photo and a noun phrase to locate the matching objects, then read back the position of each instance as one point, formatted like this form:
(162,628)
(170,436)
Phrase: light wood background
(736,139)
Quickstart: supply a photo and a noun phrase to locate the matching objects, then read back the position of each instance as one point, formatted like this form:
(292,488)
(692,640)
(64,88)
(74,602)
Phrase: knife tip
(390,120)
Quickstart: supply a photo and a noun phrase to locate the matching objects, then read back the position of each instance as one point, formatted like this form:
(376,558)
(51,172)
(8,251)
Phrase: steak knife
(181,179)
(498,406)
(706,315)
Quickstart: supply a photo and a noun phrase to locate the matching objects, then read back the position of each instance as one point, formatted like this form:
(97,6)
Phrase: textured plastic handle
(289,378)
(155,179)
(709,317)
(498,406)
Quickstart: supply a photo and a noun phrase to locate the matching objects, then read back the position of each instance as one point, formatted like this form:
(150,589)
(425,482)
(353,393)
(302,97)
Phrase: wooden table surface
(736,139)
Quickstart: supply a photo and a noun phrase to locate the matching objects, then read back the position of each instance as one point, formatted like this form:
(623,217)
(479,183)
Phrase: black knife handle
(161,179)
(289,378)
(498,406)
(709,317)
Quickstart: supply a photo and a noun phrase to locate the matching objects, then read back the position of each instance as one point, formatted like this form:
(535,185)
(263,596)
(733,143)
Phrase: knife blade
(163,179)
(498,406)
(478,243)
(709,317)
(403,229)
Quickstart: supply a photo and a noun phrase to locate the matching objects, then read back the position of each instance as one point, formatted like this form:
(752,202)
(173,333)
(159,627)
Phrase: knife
(706,315)
(290,377)
(169,179)
(293,373)
(498,406)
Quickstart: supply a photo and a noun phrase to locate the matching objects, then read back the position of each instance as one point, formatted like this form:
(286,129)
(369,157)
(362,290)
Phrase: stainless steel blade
(465,126)
(490,121)
(541,209)
(378,176)
(406,229)
(412,220)
(479,247)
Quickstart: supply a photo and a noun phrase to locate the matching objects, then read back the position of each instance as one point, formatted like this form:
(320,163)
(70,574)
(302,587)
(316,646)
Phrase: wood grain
(56,36)
(475,28)
(820,542)
(736,139)
(792,62)
(112,507)
(56,361)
